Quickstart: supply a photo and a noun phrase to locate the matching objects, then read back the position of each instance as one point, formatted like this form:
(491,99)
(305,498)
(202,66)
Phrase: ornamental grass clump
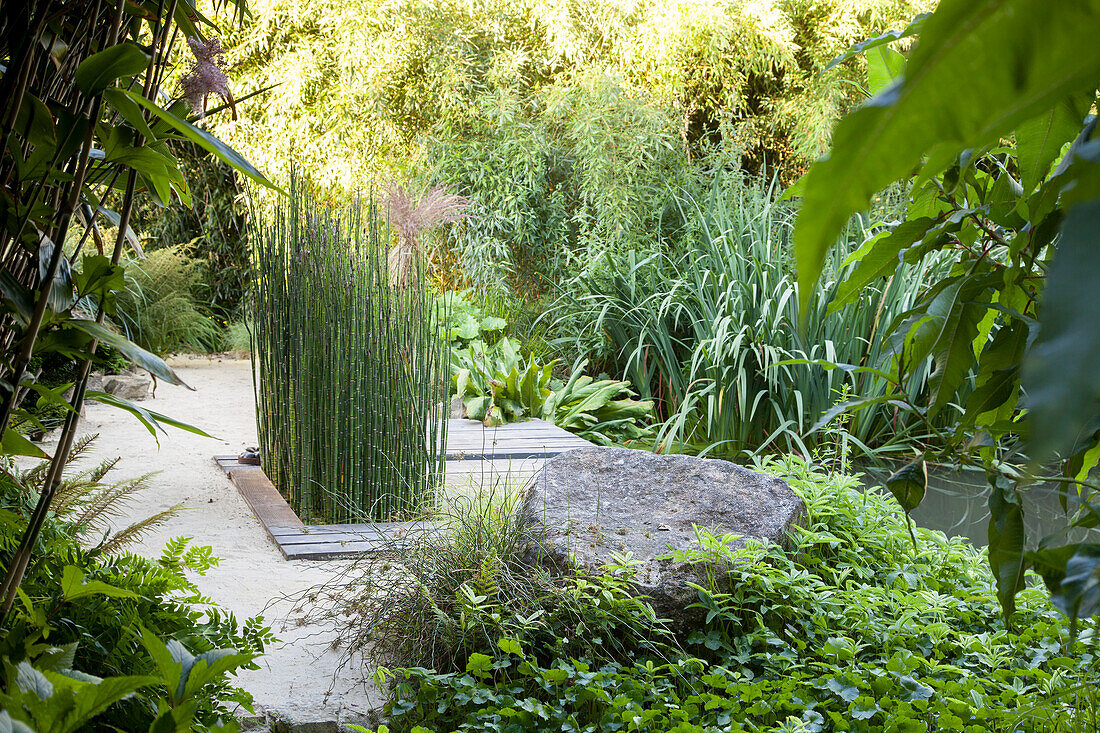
(351,378)
(468,578)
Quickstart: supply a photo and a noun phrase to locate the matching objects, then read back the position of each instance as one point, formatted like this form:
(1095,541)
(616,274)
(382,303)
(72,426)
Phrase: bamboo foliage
(351,380)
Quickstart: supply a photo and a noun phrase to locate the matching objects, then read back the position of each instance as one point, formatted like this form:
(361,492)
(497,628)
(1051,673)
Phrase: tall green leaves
(352,378)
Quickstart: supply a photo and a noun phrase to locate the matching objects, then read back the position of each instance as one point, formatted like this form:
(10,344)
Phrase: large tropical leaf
(981,68)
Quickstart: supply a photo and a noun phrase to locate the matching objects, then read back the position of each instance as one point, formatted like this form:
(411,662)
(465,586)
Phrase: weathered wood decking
(475,455)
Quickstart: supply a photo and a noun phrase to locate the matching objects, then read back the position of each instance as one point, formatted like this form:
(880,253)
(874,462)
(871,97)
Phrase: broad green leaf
(18,300)
(843,689)
(1079,594)
(14,444)
(1001,386)
(1060,375)
(205,140)
(99,71)
(1006,542)
(878,257)
(129,110)
(981,68)
(1039,141)
(7,725)
(168,666)
(479,664)
(909,484)
(884,67)
(142,358)
(74,587)
(89,700)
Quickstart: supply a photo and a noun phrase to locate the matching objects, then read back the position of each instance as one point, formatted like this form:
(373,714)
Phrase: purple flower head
(206,76)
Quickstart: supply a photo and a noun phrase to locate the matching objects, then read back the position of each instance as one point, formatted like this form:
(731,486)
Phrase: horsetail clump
(351,379)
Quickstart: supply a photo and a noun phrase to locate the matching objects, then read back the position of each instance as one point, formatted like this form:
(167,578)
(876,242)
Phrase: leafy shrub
(600,410)
(462,322)
(104,630)
(159,308)
(850,629)
(570,125)
(497,385)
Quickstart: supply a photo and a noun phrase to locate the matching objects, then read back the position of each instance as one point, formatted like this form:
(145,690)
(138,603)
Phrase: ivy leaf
(981,68)
(99,71)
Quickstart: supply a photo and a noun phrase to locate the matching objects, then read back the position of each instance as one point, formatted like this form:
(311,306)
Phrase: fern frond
(136,531)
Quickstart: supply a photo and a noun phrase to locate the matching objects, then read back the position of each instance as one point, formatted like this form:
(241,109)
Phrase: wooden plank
(326,551)
(512,452)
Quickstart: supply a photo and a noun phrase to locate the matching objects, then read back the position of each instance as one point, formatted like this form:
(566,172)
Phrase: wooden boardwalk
(476,457)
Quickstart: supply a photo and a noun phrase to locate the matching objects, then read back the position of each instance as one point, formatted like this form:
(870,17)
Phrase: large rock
(593,502)
(133,386)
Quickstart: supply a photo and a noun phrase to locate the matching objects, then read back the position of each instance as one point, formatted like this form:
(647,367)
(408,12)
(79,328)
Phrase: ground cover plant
(351,374)
(852,628)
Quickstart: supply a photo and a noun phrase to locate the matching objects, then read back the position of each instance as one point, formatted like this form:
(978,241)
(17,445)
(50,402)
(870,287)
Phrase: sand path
(296,680)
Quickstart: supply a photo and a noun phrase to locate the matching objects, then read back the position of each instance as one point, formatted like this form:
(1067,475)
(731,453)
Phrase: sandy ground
(299,678)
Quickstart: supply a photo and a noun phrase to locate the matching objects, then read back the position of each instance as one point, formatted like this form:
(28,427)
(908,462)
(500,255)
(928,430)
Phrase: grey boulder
(131,386)
(590,503)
